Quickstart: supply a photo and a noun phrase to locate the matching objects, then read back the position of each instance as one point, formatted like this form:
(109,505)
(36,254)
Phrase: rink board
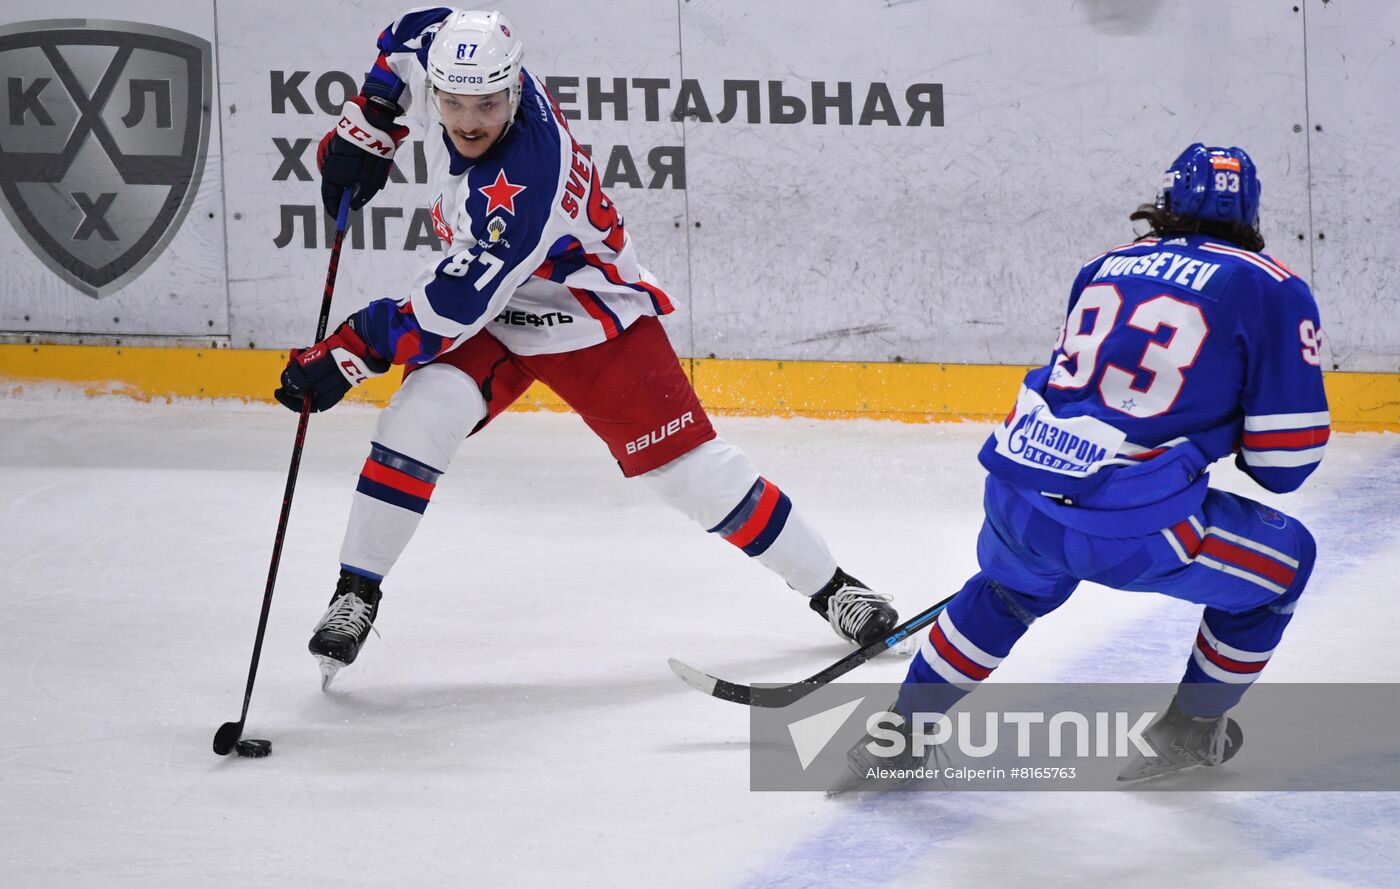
(909,183)
(828,389)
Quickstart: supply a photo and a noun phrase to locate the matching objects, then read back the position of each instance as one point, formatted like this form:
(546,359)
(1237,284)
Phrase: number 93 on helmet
(1212,183)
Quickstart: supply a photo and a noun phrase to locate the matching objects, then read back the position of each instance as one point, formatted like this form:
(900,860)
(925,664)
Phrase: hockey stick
(782,695)
(229,733)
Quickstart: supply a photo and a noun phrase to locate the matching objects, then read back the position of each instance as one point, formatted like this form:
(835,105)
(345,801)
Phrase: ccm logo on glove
(354,128)
(358,153)
(329,369)
(355,372)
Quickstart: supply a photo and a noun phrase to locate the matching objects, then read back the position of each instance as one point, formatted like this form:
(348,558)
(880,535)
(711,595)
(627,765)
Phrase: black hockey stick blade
(227,735)
(783,695)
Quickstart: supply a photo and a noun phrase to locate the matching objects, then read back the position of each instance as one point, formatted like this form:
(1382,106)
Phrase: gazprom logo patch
(1045,444)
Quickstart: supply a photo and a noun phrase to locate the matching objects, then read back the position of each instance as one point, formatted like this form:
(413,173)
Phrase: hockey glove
(358,153)
(329,369)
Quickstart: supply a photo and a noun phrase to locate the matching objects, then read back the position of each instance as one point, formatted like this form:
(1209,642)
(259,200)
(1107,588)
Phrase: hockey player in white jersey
(540,281)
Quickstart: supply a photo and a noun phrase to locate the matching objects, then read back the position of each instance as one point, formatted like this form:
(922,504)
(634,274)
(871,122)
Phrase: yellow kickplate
(915,393)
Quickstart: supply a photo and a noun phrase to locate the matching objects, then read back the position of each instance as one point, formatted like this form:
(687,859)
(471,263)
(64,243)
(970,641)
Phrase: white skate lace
(350,615)
(850,607)
(1216,754)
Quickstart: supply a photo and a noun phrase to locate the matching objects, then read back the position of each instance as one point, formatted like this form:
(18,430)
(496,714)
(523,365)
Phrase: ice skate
(1184,742)
(855,612)
(346,624)
(868,771)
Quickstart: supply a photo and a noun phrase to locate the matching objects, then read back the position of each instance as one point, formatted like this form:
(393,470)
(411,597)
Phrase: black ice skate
(337,638)
(854,612)
(1184,742)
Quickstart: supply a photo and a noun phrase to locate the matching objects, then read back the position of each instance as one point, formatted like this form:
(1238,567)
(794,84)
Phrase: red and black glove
(329,369)
(358,153)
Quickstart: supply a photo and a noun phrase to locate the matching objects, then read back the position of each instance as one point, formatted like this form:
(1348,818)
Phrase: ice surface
(516,724)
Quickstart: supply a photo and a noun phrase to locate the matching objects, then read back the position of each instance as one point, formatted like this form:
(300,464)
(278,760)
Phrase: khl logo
(104,128)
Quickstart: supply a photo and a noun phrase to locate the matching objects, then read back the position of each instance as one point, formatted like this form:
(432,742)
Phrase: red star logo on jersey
(500,195)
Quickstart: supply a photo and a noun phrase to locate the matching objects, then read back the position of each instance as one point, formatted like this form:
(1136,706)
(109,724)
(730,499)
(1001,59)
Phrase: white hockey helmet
(476,53)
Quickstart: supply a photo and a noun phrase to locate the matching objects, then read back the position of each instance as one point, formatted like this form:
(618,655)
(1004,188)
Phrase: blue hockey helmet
(1212,184)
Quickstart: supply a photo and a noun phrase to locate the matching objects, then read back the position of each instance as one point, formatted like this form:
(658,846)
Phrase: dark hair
(1165,224)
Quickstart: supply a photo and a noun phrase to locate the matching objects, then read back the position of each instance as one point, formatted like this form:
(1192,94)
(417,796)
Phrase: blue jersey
(535,251)
(1174,353)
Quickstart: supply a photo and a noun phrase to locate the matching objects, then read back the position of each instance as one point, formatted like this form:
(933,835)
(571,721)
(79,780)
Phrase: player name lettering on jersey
(1163,264)
(580,172)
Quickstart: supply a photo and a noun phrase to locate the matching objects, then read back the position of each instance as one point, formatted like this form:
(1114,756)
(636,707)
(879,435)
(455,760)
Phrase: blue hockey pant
(1245,562)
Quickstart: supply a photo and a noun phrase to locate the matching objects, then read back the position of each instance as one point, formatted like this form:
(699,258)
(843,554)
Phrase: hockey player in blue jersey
(1178,349)
(540,281)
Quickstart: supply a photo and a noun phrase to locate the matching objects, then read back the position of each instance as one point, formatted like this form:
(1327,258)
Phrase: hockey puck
(254,747)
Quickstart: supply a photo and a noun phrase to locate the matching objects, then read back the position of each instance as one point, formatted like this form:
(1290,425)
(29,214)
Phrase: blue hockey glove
(328,369)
